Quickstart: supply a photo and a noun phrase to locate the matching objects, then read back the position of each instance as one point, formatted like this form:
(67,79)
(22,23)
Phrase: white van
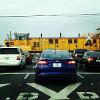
(12,56)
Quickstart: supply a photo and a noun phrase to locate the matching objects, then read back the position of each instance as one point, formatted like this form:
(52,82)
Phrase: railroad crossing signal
(88,42)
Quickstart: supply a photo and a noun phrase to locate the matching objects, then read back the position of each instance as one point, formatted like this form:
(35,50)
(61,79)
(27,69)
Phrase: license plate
(97,60)
(56,64)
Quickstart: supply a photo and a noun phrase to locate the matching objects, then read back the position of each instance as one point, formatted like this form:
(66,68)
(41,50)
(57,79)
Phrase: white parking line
(62,95)
(1,85)
(80,75)
(15,73)
(34,66)
(89,73)
(26,75)
(8,98)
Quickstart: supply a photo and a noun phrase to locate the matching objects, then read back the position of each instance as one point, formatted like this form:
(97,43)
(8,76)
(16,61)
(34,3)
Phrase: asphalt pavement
(20,85)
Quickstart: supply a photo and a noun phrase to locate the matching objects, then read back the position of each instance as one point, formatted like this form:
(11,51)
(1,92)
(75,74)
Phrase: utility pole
(98,37)
(9,36)
(41,42)
(55,47)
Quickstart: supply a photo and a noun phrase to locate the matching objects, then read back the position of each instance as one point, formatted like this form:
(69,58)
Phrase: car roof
(90,51)
(55,51)
(80,50)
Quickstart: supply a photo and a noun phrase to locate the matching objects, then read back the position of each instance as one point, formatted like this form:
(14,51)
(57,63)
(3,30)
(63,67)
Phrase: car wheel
(23,67)
(74,80)
(20,67)
(85,67)
(78,66)
(28,62)
(31,62)
(81,66)
(37,80)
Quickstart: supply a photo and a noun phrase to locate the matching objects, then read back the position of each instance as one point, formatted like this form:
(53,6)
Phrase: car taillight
(71,62)
(42,62)
(18,58)
(90,59)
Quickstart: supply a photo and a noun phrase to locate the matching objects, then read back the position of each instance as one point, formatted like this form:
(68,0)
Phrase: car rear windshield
(56,55)
(9,51)
(96,54)
(80,50)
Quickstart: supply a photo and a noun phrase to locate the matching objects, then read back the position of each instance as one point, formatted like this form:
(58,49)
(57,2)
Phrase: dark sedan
(28,57)
(55,65)
(90,60)
(78,54)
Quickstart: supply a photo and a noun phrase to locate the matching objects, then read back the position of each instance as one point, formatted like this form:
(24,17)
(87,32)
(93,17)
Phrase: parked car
(36,57)
(12,57)
(78,54)
(55,65)
(28,57)
(90,60)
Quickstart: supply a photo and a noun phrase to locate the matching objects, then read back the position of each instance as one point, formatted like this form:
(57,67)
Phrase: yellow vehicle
(38,44)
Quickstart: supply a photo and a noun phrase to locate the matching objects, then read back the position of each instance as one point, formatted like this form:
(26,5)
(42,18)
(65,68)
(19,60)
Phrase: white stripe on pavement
(34,66)
(80,75)
(2,85)
(15,73)
(89,73)
(43,89)
(62,95)
(34,73)
(26,75)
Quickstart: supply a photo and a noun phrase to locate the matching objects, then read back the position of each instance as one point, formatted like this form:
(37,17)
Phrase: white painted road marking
(34,66)
(63,94)
(8,98)
(87,95)
(43,89)
(26,75)
(80,75)
(16,73)
(2,85)
(31,96)
(56,95)
(89,73)
(34,73)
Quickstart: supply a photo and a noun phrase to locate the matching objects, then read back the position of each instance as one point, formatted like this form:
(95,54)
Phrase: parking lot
(20,85)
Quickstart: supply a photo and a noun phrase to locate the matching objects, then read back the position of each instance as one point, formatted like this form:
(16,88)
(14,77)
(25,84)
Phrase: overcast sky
(69,21)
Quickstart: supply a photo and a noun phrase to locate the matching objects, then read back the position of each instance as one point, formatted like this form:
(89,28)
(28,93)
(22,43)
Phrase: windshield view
(49,49)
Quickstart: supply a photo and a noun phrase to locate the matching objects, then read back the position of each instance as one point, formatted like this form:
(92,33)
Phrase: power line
(54,15)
